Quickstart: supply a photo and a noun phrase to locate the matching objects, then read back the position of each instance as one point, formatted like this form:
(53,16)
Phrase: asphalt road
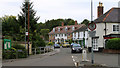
(64,58)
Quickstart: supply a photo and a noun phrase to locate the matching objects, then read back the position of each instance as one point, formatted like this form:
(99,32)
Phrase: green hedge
(113,44)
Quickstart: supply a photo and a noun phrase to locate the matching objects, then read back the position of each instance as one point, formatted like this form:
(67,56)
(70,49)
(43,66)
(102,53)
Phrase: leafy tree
(44,33)
(10,26)
(85,21)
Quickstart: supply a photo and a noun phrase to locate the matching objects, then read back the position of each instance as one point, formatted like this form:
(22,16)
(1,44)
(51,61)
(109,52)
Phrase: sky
(54,9)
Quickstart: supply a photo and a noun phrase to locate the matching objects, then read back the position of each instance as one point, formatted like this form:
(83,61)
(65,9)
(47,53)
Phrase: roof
(62,29)
(83,28)
(111,16)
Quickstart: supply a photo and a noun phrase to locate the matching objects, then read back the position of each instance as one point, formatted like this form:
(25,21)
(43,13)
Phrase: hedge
(113,44)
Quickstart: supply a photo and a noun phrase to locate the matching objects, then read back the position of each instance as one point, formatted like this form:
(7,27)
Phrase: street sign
(26,33)
(91,33)
(92,26)
(7,44)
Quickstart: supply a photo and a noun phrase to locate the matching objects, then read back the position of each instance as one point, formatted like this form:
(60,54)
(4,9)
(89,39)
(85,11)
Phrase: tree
(85,21)
(10,26)
(32,18)
(44,33)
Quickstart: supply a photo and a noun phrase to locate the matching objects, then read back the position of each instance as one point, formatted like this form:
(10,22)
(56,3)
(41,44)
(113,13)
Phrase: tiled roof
(83,28)
(112,16)
(69,29)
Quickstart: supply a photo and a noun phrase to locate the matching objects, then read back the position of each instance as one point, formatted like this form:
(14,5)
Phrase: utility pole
(92,56)
(28,28)
(25,29)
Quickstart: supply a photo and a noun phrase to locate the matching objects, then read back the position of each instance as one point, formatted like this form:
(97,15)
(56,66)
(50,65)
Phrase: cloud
(53,9)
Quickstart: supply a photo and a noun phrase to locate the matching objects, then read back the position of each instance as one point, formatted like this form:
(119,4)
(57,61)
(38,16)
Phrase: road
(64,58)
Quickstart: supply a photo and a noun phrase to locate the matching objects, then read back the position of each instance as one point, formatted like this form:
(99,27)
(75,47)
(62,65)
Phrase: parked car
(56,46)
(71,45)
(76,48)
(66,44)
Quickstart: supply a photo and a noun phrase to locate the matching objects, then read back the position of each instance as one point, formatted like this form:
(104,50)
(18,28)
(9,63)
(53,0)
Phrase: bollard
(84,55)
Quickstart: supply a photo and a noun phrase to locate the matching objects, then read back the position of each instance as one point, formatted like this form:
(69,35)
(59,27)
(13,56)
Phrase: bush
(50,44)
(13,52)
(113,44)
(38,42)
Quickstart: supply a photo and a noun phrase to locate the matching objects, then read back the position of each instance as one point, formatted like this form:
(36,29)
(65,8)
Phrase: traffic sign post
(92,27)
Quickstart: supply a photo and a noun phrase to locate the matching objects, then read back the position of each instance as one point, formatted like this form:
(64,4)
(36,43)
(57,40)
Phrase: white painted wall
(101,32)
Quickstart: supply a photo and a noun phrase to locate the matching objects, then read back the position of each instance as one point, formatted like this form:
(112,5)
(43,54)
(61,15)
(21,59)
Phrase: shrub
(50,44)
(113,44)
(13,52)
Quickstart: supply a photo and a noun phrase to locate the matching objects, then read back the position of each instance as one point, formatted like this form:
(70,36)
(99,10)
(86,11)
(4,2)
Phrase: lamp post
(92,56)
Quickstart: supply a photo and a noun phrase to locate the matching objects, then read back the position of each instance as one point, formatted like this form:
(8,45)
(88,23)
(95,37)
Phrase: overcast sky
(54,9)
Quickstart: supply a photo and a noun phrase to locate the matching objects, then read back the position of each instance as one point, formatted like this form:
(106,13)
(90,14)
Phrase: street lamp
(92,56)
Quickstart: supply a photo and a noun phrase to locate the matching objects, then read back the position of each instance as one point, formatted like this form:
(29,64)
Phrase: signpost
(7,44)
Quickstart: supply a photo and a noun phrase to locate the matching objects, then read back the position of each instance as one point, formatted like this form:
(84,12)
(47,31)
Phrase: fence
(19,53)
(41,50)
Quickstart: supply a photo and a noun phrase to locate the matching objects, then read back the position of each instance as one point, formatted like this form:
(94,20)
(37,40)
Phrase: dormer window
(53,29)
(58,29)
(73,28)
(66,28)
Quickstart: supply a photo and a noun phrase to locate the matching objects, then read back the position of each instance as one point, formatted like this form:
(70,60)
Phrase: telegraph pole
(28,28)
(92,56)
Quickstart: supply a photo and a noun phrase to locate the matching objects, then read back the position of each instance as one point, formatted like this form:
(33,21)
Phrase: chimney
(100,9)
(76,23)
(62,23)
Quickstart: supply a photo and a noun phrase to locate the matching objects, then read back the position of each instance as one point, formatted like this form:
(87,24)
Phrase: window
(95,43)
(65,34)
(115,27)
(56,35)
(53,29)
(58,29)
(65,28)
(73,28)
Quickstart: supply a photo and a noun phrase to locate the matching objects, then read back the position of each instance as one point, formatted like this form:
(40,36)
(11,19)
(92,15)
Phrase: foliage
(50,44)
(10,25)
(85,21)
(44,33)
(38,41)
(113,44)
(17,46)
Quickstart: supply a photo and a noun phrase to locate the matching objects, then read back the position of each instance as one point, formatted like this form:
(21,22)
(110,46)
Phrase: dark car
(76,48)
(56,46)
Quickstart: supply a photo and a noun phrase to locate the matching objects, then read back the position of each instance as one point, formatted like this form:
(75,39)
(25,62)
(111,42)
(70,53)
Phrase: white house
(62,33)
(81,35)
(107,27)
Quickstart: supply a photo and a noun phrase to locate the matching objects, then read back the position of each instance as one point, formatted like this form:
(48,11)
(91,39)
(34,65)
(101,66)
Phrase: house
(81,35)
(107,27)
(62,33)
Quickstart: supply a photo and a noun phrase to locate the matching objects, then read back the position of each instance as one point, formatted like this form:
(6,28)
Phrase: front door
(95,44)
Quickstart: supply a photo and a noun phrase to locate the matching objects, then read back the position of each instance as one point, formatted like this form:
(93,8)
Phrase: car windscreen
(76,45)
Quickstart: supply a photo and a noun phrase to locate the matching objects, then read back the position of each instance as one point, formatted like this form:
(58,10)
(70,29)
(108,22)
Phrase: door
(95,44)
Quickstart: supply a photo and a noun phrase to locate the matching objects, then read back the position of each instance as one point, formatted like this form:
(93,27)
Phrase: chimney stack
(62,23)
(76,23)
(100,9)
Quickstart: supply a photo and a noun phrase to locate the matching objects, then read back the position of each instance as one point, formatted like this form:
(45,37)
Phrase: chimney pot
(100,9)
(76,23)
(62,23)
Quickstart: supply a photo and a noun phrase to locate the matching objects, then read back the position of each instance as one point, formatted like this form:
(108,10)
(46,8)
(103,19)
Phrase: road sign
(7,44)
(26,33)
(92,26)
